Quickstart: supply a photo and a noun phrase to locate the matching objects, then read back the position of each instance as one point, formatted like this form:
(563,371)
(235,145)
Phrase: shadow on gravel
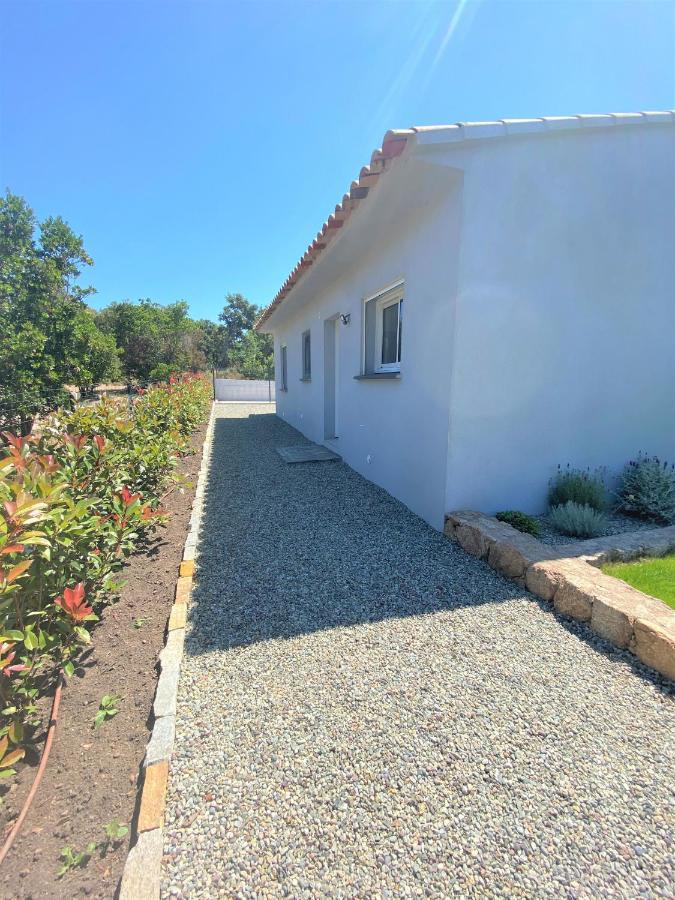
(287,550)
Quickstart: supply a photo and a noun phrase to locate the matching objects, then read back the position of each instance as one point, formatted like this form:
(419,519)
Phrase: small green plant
(647,489)
(114,832)
(75,859)
(583,487)
(519,521)
(578,520)
(107,709)
(139,623)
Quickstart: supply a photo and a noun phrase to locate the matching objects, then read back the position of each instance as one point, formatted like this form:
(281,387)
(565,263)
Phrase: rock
(140,880)
(161,741)
(543,579)
(574,597)
(613,614)
(654,641)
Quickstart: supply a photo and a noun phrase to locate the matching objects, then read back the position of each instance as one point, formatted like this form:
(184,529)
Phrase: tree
(245,350)
(253,356)
(150,335)
(96,357)
(212,343)
(238,316)
(48,338)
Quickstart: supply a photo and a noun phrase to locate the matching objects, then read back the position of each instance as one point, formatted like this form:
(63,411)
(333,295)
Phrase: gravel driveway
(366,711)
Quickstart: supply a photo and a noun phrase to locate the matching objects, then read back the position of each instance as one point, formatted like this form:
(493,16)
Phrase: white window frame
(387,301)
(283,365)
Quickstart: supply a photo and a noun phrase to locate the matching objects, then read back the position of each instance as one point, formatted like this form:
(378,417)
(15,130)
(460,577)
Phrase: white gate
(243,389)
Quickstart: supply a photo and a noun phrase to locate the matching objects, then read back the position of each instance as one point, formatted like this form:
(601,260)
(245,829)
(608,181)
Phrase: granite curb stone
(142,869)
(569,576)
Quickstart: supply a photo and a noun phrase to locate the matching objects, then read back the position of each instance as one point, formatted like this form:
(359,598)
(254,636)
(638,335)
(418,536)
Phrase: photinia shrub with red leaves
(75,501)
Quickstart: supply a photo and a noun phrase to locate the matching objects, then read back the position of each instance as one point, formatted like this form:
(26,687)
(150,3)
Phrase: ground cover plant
(519,520)
(647,489)
(654,576)
(75,501)
(578,520)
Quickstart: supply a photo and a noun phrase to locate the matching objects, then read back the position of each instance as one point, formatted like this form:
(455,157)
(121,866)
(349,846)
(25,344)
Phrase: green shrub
(75,501)
(647,489)
(583,487)
(519,520)
(163,372)
(579,520)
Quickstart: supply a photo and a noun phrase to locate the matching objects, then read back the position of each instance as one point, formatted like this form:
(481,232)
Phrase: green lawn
(651,576)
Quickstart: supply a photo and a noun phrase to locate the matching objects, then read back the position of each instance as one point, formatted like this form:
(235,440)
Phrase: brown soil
(92,776)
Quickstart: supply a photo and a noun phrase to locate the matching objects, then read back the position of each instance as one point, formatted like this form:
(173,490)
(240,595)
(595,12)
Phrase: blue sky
(198,146)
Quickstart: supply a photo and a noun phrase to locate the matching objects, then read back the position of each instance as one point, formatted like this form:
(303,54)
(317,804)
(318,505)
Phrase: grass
(654,576)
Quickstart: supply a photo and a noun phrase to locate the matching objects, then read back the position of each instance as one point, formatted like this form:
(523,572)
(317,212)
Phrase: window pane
(390,334)
(306,355)
(400,328)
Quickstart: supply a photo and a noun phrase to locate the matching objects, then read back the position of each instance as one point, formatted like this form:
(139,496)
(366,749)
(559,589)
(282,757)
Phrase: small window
(284,370)
(306,356)
(383,328)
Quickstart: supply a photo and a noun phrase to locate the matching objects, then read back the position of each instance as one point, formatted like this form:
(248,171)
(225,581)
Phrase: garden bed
(92,775)
(617,523)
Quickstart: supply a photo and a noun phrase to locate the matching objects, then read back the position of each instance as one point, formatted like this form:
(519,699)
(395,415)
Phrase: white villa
(489,300)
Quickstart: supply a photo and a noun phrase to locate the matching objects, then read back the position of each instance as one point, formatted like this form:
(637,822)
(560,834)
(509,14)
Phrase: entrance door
(331,381)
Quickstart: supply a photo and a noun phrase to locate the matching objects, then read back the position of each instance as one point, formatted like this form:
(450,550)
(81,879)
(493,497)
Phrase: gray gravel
(616,524)
(366,711)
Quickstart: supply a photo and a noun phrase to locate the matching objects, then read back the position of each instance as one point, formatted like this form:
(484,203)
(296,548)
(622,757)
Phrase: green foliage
(107,709)
(8,756)
(253,356)
(238,316)
(75,859)
(647,489)
(115,832)
(213,343)
(583,487)
(149,334)
(49,338)
(519,521)
(250,353)
(578,520)
(157,341)
(75,501)
(163,372)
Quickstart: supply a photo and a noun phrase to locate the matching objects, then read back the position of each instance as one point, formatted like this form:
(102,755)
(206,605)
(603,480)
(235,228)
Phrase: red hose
(38,775)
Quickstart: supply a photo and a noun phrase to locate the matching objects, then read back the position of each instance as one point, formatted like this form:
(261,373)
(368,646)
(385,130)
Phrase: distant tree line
(52,338)
(154,341)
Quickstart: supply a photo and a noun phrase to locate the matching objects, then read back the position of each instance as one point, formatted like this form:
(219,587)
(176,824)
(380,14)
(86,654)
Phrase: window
(383,327)
(306,356)
(284,370)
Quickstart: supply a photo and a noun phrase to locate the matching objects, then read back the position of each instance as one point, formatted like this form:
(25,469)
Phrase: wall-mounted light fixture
(346,318)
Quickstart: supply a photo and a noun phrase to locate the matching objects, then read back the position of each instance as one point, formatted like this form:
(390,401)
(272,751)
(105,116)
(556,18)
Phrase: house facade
(490,300)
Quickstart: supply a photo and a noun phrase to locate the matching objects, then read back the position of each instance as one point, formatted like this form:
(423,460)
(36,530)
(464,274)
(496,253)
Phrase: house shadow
(291,549)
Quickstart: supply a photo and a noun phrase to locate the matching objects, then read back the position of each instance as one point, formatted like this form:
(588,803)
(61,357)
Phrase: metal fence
(244,389)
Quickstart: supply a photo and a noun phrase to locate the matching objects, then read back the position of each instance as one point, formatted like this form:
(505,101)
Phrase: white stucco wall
(539,316)
(565,335)
(394,433)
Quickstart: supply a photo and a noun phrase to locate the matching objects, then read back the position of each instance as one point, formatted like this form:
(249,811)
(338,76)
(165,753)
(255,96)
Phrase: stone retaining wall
(569,577)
